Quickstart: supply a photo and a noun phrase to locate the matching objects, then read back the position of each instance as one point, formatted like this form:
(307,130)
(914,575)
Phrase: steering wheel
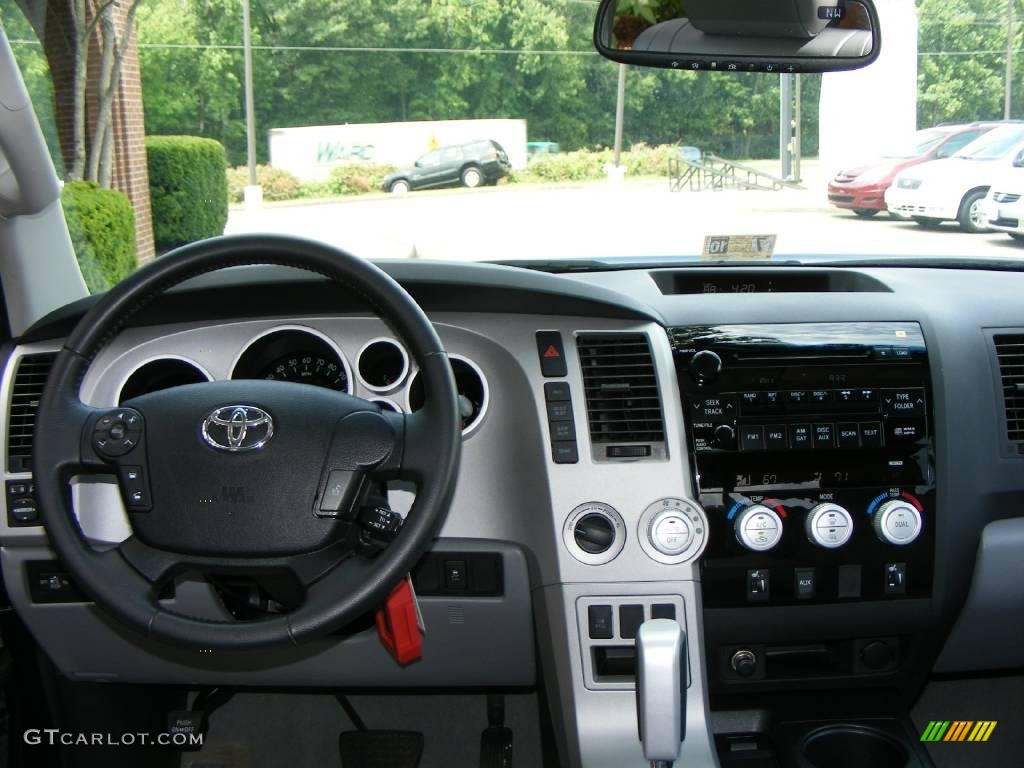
(246,477)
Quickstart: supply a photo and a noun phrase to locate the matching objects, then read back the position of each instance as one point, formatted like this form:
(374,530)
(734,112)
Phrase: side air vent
(25,393)
(621,389)
(1010,351)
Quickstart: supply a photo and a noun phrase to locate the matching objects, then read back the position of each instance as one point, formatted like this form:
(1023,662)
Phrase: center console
(814,461)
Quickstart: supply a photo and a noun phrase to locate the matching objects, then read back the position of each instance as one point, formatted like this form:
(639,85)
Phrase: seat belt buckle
(400,623)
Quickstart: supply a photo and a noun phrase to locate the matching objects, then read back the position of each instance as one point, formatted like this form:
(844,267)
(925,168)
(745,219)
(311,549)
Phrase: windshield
(922,143)
(494,131)
(993,145)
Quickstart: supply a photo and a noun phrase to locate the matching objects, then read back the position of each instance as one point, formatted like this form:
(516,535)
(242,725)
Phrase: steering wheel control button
(594,533)
(897,522)
(116,433)
(829,526)
(340,492)
(135,488)
(552,354)
(673,530)
(378,526)
(22,509)
(758,528)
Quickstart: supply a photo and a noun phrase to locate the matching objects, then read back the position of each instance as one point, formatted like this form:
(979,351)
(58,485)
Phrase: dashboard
(798,464)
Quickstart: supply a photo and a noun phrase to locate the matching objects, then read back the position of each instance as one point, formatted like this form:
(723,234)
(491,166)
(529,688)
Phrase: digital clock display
(744,285)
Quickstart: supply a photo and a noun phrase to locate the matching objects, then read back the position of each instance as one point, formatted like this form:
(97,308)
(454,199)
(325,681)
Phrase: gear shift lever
(661,690)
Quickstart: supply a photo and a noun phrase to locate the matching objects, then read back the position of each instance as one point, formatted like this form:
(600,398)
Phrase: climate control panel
(814,459)
(797,547)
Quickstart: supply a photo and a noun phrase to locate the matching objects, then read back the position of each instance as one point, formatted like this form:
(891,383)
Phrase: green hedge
(187,188)
(102,228)
(277,184)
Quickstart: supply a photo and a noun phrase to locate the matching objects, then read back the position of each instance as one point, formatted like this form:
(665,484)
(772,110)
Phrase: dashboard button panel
(832,472)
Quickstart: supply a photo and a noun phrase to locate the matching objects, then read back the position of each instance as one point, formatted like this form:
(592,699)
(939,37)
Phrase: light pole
(253,191)
(1008,84)
(786,124)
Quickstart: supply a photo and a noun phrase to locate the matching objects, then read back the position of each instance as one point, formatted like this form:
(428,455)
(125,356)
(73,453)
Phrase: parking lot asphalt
(640,218)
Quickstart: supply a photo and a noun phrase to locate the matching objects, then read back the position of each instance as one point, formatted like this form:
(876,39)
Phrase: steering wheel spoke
(158,566)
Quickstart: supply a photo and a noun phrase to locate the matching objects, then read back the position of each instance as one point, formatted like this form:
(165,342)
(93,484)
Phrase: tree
(960,71)
(91,146)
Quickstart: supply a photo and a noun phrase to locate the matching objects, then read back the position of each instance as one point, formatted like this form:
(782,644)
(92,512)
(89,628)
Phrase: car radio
(814,460)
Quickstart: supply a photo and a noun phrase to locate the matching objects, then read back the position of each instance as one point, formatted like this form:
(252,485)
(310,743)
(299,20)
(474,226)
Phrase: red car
(862,189)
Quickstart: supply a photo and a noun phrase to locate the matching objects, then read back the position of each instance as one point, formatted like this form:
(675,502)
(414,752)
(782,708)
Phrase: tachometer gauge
(318,370)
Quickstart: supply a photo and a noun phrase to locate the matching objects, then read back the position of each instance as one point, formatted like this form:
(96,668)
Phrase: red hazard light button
(552,354)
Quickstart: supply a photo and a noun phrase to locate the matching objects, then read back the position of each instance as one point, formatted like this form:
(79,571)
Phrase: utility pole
(253,192)
(616,173)
(786,124)
(1008,84)
(797,151)
(620,108)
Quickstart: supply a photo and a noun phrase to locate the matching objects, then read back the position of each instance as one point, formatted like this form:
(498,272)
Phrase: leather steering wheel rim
(345,591)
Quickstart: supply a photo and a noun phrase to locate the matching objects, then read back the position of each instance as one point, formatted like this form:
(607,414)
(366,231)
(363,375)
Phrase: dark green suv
(471,165)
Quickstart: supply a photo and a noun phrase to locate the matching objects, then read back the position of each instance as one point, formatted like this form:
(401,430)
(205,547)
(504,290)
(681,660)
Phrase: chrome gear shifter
(661,690)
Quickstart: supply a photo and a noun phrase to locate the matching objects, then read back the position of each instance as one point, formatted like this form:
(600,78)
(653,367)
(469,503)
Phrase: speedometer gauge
(318,370)
(297,355)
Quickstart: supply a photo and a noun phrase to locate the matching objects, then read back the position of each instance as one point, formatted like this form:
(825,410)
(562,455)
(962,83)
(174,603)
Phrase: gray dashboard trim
(87,645)
(987,634)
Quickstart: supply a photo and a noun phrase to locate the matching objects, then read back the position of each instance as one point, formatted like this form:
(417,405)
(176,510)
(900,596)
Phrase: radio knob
(705,365)
(829,526)
(897,522)
(758,528)
(725,436)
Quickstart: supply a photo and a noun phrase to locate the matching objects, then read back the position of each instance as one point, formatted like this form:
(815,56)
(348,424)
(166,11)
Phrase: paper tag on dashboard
(721,247)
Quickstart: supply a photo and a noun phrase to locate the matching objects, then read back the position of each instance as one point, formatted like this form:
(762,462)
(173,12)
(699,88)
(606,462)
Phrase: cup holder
(853,746)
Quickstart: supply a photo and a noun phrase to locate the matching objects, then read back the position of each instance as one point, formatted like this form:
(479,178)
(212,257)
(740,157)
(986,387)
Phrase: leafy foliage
(277,183)
(187,188)
(102,228)
(302,78)
(955,86)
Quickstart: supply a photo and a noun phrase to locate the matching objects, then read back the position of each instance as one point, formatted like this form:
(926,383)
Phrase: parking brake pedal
(496,739)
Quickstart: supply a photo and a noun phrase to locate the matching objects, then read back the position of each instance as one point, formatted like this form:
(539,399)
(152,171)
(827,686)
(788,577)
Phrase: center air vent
(1010,351)
(29,381)
(623,405)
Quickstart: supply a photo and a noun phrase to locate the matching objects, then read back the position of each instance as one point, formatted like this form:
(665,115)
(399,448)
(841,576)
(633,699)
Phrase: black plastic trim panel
(436,286)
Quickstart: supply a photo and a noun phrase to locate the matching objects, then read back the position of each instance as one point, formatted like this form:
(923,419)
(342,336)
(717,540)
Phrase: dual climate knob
(759,527)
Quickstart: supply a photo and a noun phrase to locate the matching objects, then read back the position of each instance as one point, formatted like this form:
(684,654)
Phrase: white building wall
(309,153)
(869,110)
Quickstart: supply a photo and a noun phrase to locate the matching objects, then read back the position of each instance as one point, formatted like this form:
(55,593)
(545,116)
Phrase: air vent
(1010,351)
(621,388)
(28,387)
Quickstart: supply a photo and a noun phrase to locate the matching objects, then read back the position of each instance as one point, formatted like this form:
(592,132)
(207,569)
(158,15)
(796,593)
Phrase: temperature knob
(897,522)
(829,526)
(758,528)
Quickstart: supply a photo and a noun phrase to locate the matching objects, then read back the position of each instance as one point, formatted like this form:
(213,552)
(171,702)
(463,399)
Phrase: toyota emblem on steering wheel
(237,428)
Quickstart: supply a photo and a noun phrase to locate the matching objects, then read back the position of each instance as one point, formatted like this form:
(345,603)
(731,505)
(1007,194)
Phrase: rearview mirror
(739,35)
